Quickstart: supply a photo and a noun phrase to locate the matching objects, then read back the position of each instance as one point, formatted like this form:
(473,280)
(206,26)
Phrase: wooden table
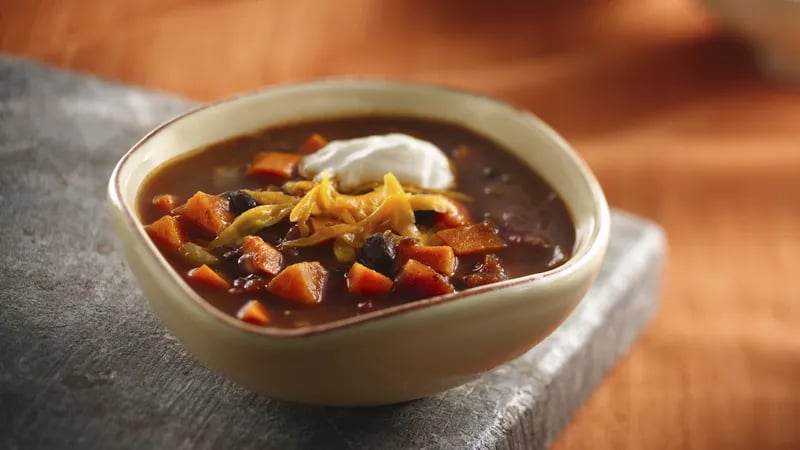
(673,118)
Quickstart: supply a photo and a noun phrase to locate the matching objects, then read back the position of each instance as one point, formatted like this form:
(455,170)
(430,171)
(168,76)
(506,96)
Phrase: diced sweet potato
(253,312)
(365,281)
(313,143)
(274,164)
(456,219)
(206,275)
(490,270)
(302,283)
(439,257)
(472,239)
(165,202)
(208,213)
(422,280)
(259,256)
(167,233)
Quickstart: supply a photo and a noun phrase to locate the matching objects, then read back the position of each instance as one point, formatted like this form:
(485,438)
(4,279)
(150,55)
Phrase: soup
(312,222)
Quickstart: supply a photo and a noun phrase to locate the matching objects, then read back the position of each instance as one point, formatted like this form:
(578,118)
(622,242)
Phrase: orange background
(671,115)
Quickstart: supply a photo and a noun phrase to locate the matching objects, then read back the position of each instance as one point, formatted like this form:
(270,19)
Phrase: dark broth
(528,213)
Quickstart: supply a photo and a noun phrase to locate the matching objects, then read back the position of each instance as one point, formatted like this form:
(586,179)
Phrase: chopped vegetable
(167,233)
(472,239)
(421,280)
(489,271)
(165,202)
(344,249)
(302,283)
(274,164)
(313,143)
(206,275)
(439,257)
(270,197)
(365,281)
(250,222)
(196,255)
(207,212)
(253,312)
(259,256)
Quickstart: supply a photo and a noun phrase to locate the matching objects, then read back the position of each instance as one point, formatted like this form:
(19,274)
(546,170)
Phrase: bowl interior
(518,132)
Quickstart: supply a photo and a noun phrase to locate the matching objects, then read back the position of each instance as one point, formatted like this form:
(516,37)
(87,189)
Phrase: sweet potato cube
(167,233)
(208,213)
(439,257)
(459,218)
(365,281)
(490,270)
(302,283)
(472,239)
(259,256)
(274,164)
(422,280)
(313,143)
(165,202)
(206,275)
(253,312)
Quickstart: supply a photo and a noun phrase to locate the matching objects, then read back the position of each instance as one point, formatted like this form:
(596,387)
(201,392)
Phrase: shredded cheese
(355,217)
(322,213)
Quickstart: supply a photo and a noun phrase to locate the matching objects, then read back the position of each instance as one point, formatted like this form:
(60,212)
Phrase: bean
(378,253)
(240,202)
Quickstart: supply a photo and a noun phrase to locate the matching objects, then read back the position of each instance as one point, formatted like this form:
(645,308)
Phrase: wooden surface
(673,118)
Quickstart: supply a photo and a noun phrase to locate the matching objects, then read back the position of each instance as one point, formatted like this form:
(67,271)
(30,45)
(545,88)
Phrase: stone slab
(85,364)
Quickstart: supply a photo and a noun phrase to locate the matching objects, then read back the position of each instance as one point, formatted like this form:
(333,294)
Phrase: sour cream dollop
(355,162)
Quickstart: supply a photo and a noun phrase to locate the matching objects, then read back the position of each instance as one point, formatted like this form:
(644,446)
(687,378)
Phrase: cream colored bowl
(387,356)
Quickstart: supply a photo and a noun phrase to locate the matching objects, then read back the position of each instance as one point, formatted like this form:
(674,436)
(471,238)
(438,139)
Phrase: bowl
(772,27)
(390,355)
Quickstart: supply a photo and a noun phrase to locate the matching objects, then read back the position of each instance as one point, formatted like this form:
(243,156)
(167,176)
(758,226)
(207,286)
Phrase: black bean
(239,202)
(424,217)
(230,253)
(378,253)
(293,233)
(248,284)
(291,254)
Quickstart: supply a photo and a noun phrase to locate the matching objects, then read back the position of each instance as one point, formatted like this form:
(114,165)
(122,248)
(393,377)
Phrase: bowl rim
(595,243)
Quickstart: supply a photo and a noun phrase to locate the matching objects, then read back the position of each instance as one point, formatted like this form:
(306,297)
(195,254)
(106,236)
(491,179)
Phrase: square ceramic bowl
(386,356)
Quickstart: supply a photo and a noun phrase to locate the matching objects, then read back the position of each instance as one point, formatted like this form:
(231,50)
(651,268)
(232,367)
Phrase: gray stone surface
(85,364)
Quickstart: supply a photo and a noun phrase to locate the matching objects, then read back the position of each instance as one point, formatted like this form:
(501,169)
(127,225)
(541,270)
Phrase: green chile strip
(250,222)
(270,197)
(196,255)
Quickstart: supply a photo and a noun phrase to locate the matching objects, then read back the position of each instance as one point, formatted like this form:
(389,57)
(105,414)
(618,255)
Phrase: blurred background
(664,98)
